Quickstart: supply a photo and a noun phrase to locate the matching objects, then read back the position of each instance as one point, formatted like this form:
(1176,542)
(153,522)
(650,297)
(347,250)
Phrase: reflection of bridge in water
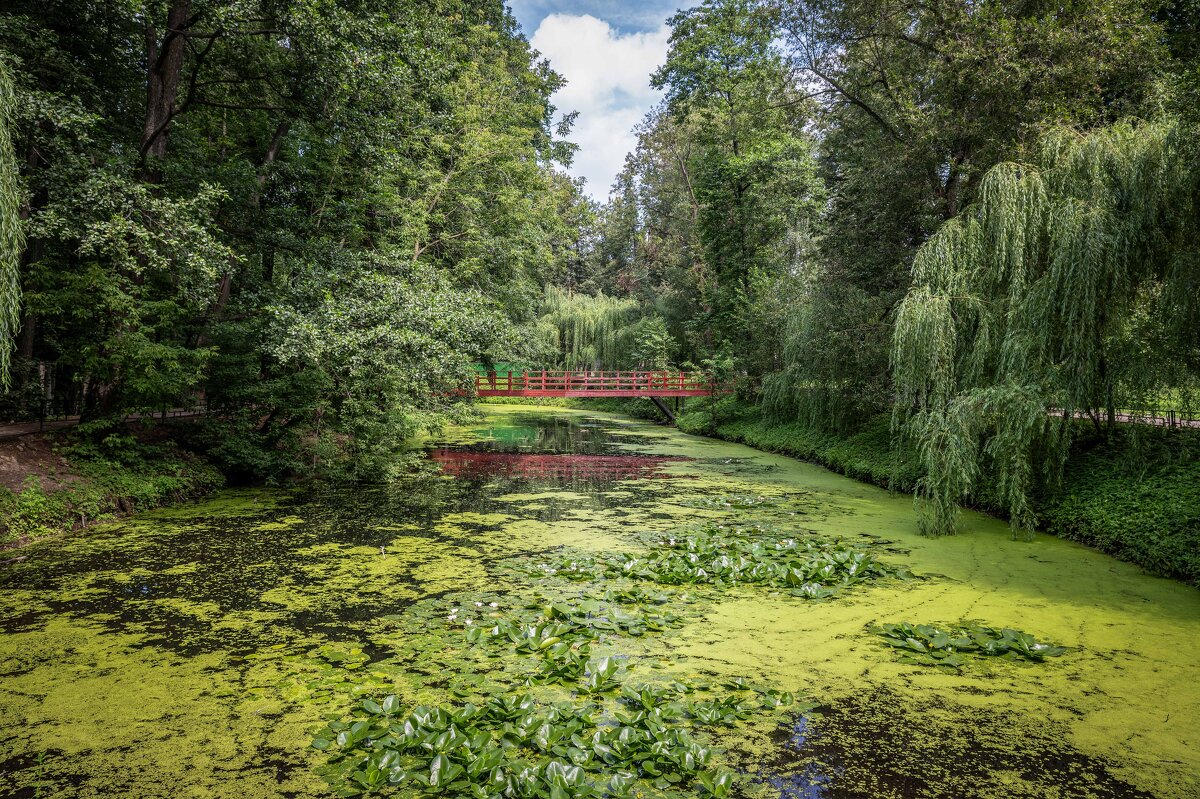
(565,468)
(546,383)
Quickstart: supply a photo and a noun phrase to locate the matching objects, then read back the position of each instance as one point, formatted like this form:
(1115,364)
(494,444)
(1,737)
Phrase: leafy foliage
(317,217)
(722,193)
(927,645)
(1030,301)
(586,331)
(916,102)
(611,739)
(729,555)
(12,236)
(867,454)
(111,473)
(1135,496)
(514,745)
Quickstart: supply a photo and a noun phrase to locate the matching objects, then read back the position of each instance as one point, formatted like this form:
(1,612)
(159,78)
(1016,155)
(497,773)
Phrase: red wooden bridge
(594,384)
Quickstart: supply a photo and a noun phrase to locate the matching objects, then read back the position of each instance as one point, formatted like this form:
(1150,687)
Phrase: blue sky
(606,51)
(626,16)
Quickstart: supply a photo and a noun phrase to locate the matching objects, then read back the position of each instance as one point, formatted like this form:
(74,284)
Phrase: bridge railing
(575,381)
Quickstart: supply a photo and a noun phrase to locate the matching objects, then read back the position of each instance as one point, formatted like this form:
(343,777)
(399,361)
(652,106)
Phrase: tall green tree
(721,197)
(1040,302)
(751,174)
(225,196)
(917,101)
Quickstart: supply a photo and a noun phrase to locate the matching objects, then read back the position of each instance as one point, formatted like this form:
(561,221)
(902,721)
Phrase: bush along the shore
(106,473)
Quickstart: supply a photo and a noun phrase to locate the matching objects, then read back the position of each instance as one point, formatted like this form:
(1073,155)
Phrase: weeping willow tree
(1040,303)
(12,239)
(587,331)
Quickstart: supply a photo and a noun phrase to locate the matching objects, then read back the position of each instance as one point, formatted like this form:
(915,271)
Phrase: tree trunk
(165,64)
(268,158)
(28,331)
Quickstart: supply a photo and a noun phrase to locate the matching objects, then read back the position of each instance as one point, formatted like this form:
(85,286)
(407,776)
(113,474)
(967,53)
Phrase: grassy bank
(867,454)
(60,482)
(1135,496)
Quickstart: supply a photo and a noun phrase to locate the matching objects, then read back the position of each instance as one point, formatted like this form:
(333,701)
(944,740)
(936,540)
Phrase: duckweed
(195,653)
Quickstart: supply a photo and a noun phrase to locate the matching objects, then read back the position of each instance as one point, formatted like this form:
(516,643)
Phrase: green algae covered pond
(566,604)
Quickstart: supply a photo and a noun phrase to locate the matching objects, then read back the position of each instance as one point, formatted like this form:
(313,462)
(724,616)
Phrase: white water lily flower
(468,622)
(478,604)
(493,604)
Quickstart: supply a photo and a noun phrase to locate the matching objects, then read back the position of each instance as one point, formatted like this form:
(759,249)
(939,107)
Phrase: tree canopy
(314,217)
(976,218)
(1070,283)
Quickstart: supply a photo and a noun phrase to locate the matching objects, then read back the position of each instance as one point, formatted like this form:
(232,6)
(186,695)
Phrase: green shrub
(867,454)
(1137,497)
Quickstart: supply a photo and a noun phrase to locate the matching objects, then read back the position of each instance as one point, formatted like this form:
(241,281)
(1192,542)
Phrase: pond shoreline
(46,494)
(1136,500)
(64,502)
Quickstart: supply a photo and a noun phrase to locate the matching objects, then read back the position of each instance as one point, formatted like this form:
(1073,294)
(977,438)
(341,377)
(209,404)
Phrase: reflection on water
(811,780)
(548,433)
(542,449)
(874,746)
(551,468)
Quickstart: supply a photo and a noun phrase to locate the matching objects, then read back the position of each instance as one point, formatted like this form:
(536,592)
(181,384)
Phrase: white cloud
(608,82)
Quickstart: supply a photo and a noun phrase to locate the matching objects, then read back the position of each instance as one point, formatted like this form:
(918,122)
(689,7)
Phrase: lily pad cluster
(722,555)
(568,727)
(730,502)
(515,746)
(561,635)
(927,645)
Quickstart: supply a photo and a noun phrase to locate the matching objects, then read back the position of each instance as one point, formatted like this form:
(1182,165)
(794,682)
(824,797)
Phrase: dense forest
(315,217)
(976,219)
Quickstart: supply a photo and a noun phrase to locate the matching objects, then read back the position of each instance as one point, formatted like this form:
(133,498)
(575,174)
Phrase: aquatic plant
(730,502)
(927,645)
(515,745)
(525,738)
(723,555)
(560,634)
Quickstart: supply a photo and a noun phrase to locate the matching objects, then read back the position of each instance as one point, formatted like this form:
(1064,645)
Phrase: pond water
(197,651)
